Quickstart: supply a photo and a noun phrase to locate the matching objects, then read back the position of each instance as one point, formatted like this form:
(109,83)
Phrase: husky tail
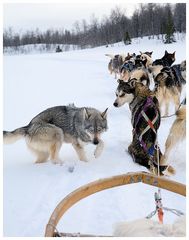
(11,137)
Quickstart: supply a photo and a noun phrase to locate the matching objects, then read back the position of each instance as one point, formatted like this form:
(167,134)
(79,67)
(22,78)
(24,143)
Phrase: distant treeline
(147,20)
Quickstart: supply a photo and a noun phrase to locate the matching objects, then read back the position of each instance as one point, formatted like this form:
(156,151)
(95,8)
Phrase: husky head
(169,57)
(149,53)
(125,91)
(146,59)
(95,123)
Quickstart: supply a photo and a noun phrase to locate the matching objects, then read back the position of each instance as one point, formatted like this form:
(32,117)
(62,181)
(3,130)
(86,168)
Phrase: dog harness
(128,66)
(150,150)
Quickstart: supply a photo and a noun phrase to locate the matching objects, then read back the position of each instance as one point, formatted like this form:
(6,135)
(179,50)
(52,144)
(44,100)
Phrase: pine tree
(169,36)
(126,38)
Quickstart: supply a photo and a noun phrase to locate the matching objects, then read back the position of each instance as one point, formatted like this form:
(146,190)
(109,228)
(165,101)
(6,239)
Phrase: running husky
(145,119)
(46,132)
(116,62)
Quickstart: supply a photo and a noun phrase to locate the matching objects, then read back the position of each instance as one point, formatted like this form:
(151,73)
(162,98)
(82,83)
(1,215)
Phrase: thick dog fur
(168,85)
(147,59)
(150,228)
(177,133)
(137,67)
(46,132)
(139,74)
(136,94)
(115,63)
(166,61)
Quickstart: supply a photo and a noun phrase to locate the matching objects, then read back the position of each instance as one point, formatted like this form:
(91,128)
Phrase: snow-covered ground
(38,48)
(35,82)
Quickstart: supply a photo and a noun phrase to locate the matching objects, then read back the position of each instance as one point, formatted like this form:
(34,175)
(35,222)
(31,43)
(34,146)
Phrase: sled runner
(100,185)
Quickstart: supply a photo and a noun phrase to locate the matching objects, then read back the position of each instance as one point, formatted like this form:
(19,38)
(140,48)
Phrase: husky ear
(166,52)
(132,82)
(140,52)
(144,82)
(150,53)
(119,80)
(86,113)
(104,114)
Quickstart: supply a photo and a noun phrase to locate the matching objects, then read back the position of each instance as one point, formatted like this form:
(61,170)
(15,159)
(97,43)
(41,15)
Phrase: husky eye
(99,129)
(116,94)
(91,129)
(122,95)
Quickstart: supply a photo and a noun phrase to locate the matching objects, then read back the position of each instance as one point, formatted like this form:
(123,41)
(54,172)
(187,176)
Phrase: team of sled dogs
(47,131)
(147,85)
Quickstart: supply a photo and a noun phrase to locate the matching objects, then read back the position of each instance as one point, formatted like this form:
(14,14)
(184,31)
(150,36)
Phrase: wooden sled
(102,184)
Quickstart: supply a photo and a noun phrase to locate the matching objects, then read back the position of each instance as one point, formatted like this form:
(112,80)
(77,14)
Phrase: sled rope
(159,205)
(174,114)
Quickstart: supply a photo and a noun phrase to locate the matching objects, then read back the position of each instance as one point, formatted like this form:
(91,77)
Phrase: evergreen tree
(169,36)
(126,38)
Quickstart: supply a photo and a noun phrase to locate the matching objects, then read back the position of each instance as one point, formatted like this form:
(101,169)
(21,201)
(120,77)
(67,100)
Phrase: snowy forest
(150,19)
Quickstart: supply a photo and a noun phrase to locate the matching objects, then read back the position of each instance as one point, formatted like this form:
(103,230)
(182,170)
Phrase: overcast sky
(59,15)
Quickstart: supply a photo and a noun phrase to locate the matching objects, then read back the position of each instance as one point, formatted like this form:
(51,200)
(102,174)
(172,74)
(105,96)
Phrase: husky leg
(166,108)
(41,155)
(176,100)
(80,152)
(56,146)
(54,153)
(44,140)
(99,149)
(172,140)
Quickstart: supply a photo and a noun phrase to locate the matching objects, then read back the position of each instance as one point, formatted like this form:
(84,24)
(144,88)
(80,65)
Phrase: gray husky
(46,132)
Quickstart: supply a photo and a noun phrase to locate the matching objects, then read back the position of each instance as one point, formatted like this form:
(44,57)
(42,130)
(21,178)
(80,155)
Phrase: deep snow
(35,82)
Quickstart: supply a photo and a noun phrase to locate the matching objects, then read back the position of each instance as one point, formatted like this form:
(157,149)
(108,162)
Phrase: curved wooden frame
(107,183)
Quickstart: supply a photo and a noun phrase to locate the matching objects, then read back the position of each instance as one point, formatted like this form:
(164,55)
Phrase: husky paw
(58,161)
(169,171)
(84,160)
(40,161)
(98,151)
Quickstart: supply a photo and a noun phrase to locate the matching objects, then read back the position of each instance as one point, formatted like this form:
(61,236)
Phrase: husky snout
(95,141)
(115,104)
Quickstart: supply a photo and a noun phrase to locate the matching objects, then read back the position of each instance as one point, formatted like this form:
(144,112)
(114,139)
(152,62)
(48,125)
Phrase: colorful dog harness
(150,150)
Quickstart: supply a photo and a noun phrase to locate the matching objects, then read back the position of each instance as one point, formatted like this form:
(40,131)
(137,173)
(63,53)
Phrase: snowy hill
(35,82)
